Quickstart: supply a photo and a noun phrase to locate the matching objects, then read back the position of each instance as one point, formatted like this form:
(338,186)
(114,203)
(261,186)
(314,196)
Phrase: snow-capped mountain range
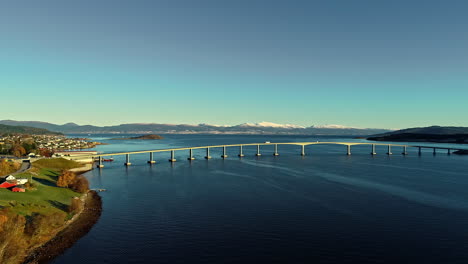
(245,128)
(269,124)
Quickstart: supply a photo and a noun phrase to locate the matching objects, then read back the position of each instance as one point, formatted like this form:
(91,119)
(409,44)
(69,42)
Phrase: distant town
(20,145)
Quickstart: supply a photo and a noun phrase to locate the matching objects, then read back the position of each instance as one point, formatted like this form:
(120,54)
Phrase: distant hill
(426,134)
(6,129)
(266,128)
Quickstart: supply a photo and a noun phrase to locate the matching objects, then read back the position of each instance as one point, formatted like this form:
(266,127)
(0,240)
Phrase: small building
(18,189)
(21,181)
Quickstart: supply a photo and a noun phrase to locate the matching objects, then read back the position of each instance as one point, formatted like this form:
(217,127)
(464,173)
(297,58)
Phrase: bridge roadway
(302,144)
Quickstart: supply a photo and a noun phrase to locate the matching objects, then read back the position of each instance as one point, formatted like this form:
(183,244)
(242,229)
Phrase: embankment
(74,230)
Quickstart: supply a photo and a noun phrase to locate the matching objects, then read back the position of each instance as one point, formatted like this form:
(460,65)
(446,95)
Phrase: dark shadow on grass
(59,205)
(52,175)
(45,182)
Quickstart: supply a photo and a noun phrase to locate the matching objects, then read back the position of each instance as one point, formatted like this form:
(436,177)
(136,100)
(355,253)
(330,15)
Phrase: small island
(146,137)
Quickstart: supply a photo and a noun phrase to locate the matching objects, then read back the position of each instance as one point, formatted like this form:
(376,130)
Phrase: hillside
(7,129)
(426,134)
(266,128)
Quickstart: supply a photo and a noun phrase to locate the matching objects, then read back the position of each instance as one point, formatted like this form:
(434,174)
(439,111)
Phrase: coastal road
(25,165)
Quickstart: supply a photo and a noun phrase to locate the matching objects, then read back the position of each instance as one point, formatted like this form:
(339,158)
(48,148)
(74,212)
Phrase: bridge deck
(260,144)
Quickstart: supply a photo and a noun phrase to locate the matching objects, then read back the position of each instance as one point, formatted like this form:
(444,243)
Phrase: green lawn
(46,198)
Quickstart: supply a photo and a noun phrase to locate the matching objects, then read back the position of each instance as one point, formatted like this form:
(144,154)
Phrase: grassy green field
(45,197)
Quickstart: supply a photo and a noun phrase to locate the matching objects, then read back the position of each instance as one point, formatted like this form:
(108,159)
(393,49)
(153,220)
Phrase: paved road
(24,167)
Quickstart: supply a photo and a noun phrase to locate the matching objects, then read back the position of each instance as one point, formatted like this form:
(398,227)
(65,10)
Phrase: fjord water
(326,207)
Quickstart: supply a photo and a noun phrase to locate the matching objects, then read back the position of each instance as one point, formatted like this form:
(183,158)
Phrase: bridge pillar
(190,155)
(151,160)
(224,153)
(373,150)
(127,162)
(389,151)
(419,151)
(349,150)
(434,151)
(172,159)
(448,151)
(100,165)
(258,151)
(276,150)
(404,151)
(207,153)
(303,150)
(240,152)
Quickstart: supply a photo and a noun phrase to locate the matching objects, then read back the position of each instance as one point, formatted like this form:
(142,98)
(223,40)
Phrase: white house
(10,178)
(21,181)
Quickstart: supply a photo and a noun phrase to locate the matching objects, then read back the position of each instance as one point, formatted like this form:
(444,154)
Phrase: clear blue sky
(386,64)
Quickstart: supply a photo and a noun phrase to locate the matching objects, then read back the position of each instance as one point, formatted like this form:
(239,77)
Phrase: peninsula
(437,134)
(147,137)
(44,210)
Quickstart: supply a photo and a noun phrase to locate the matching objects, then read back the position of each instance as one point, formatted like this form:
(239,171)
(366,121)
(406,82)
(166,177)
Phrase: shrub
(75,205)
(80,185)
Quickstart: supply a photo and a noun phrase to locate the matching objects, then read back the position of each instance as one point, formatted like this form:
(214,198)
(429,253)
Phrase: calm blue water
(326,207)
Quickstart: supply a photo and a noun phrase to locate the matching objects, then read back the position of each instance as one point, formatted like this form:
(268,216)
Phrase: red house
(7,185)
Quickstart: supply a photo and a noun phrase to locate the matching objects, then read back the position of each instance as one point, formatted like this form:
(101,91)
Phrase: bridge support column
(419,151)
(190,155)
(207,153)
(172,159)
(276,150)
(448,151)
(303,150)
(151,160)
(100,165)
(241,154)
(373,150)
(127,162)
(404,151)
(349,150)
(434,151)
(389,151)
(258,151)
(224,153)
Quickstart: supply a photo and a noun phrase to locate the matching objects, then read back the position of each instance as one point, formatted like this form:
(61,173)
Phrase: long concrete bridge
(258,145)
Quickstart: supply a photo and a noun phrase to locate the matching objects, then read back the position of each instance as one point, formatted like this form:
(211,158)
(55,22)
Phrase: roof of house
(7,185)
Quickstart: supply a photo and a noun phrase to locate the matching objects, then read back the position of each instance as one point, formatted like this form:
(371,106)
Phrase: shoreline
(72,231)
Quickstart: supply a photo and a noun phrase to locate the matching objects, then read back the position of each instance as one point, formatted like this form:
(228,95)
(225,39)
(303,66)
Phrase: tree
(45,152)
(18,151)
(66,179)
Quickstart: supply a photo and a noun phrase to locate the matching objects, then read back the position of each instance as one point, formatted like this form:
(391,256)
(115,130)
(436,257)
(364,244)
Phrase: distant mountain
(6,129)
(246,128)
(439,134)
(269,124)
(333,126)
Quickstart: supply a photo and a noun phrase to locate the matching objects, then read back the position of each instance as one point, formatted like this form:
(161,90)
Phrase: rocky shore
(76,228)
